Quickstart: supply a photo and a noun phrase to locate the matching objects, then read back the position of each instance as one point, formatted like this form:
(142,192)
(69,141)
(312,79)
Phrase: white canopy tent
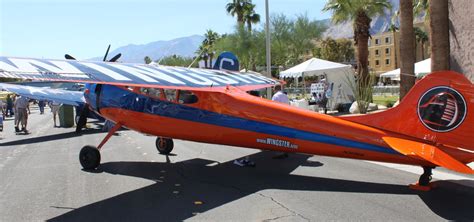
(340,74)
(421,68)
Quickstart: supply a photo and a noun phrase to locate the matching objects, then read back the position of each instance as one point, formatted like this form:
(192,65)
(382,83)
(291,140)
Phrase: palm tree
(250,17)
(360,13)
(421,37)
(203,54)
(407,47)
(238,7)
(439,35)
(421,7)
(394,28)
(209,41)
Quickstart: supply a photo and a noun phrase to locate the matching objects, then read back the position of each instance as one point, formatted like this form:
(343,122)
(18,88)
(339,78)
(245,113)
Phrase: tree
(210,39)
(394,28)
(203,54)
(281,36)
(422,38)
(407,47)
(439,33)
(291,40)
(175,60)
(250,17)
(237,8)
(340,50)
(303,34)
(147,60)
(360,13)
(421,7)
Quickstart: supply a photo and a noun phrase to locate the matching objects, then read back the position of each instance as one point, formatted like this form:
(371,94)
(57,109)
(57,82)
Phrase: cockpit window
(187,97)
(170,94)
(152,92)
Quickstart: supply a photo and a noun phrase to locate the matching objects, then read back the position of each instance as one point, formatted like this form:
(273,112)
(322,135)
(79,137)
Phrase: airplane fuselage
(236,118)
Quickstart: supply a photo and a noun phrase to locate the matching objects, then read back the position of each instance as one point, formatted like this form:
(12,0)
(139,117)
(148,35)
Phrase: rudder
(437,109)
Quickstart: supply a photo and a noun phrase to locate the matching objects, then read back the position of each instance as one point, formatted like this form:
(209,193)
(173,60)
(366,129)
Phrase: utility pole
(269,60)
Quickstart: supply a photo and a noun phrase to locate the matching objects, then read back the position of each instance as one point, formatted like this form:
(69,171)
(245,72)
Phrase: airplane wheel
(424,180)
(164,145)
(89,157)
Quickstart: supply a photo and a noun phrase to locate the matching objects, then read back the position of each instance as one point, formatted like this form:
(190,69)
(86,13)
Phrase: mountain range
(184,46)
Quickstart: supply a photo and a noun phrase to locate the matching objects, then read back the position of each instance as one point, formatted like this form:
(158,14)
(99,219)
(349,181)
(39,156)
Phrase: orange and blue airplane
(432,126)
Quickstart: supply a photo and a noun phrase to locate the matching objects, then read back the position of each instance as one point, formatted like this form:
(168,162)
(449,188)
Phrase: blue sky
(84,28)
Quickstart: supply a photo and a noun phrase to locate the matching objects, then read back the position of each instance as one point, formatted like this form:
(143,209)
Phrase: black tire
(89,157)
(424,180)
(164,145)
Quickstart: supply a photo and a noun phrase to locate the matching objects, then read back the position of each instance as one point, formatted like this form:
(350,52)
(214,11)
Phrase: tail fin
(227,61)
(437,109)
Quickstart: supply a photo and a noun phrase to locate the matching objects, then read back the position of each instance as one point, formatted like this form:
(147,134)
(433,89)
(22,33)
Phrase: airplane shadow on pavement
(179,185)
(59,136)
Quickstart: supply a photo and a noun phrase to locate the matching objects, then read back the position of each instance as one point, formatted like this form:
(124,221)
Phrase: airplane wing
(125,74)
(427,152)
(74,98)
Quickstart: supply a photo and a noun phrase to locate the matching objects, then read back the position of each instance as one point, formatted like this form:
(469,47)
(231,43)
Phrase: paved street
(41,179)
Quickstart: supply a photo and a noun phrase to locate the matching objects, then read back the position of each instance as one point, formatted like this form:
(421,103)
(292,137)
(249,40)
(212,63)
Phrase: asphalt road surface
(41,179)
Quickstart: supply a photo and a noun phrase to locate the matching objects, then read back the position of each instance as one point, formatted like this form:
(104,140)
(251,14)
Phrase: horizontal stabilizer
(427,152)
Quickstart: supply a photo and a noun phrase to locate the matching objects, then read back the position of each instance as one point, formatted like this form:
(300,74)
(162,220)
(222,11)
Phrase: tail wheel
(164,145)
(425,178)
(89,157)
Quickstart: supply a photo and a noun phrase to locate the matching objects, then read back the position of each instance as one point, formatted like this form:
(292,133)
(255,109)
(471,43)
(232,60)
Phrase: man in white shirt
(279,96)
(21,105)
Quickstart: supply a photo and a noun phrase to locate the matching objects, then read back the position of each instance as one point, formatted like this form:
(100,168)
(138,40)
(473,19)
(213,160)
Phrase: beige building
(384,50)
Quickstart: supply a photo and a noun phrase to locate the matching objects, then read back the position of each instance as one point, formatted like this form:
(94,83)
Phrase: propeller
(115,58)
(81,123)
(67,56)
(106,53)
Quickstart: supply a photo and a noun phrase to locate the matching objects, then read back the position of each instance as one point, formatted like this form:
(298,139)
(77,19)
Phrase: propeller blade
(67,56)
(106,53)
(81,123)
(115,58)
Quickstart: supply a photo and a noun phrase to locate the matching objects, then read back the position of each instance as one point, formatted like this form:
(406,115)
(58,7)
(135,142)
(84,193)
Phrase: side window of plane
(187,97)
(170,94)
(152,92)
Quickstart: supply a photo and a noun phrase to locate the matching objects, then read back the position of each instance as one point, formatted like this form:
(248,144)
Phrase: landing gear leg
(424,181)
(89,157)
(425,178)
(164,145)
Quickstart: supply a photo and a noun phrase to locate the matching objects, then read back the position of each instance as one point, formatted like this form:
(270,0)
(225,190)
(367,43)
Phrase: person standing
(55,109)
(280,96)
(325,95)
(2,108)
(9,111)
(21,108)
(41,105)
